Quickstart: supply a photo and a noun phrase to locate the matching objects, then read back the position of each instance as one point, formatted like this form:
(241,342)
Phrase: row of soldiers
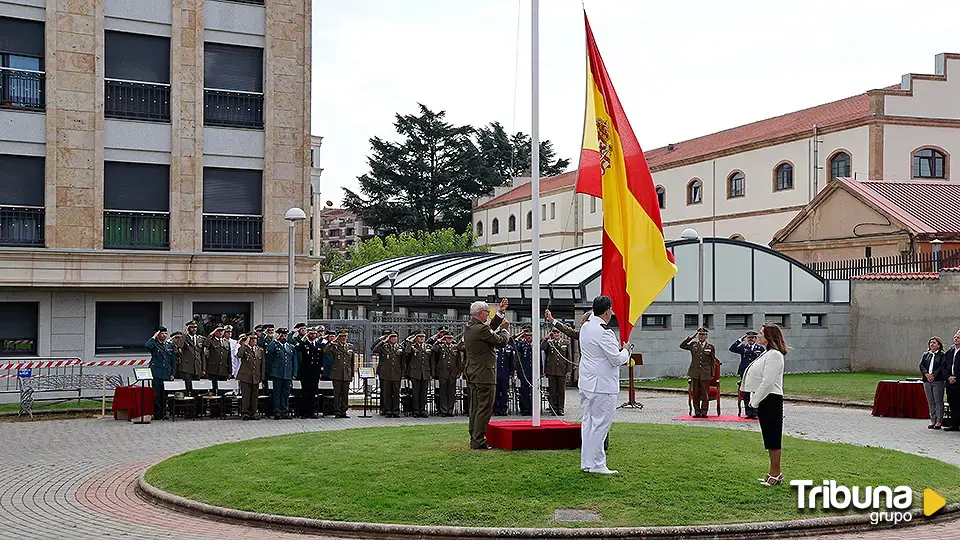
(266,355)
(441,357)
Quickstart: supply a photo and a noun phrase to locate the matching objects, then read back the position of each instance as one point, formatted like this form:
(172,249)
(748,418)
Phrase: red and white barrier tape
(114,363)
(42,364)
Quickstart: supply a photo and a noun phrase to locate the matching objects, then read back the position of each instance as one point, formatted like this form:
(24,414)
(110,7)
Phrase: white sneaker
(603,470)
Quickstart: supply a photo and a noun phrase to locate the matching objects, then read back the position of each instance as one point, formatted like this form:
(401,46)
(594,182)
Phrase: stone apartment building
(750,181)
(136,188)
(340,228)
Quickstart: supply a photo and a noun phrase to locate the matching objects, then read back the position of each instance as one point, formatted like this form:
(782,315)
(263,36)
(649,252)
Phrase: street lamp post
(392,276)
(692,234)
(327,278)
(293,215)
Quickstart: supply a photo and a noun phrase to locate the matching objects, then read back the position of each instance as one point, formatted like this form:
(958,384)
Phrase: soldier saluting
(250,375)
(340,355)
(391,372)
(447,368)
(419,369)
(217,364)
(703,357)
(558,367)
(190,355)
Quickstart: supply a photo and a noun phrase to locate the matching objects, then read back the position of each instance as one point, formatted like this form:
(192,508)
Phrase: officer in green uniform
(703,357)
(340,353)
(419,369)
(250,375)
(480,339)
(447,368)
(557,369)
(217,364)
(391,372)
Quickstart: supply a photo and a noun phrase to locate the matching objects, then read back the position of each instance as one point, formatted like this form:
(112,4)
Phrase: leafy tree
(427,180)
(510,155)
(424,182)
(400,245)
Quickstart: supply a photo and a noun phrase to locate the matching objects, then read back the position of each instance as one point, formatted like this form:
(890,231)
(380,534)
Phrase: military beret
(191,323)
(752,334)
(343,332)
(282,331)
(160,329)
(299,325)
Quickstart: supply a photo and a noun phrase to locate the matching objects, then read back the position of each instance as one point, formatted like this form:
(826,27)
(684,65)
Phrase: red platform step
(522,435)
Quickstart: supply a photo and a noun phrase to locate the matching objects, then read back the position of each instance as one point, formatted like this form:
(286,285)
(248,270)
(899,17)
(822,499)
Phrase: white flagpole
(535,192)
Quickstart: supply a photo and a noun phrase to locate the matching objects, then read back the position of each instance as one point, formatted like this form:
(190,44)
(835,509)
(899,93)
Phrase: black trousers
(390,397)
(308,396)
(341,397)
(248,399)
(953,397)
(420,395)
(159,399)
(501,403)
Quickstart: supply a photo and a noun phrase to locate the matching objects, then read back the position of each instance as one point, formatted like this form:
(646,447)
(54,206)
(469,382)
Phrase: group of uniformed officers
(266,355)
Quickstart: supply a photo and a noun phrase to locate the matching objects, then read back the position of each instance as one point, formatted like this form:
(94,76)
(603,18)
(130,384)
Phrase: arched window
(529,220)
(737,237)
(662,197)
(479,229)
(512,223)
(929,163)
(840,165)
(495,226)
(783,177)
(736,185)
(695,191)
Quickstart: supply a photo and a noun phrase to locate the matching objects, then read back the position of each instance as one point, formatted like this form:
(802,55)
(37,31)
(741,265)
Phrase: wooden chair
(713,392)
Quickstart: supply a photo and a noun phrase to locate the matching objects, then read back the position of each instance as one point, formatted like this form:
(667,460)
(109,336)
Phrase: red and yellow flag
(636,263)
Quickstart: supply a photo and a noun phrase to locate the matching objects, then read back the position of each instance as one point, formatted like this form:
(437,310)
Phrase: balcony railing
(232,108)
(22,89)
(136,230)
(21,226)
(232,233)
(136,100)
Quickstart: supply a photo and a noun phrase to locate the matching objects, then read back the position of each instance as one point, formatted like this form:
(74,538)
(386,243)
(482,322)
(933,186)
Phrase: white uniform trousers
(598,411)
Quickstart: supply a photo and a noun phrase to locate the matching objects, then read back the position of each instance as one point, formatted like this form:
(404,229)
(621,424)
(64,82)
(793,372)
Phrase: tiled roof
(523,191)
(934,206)
(836,112)
(913,276)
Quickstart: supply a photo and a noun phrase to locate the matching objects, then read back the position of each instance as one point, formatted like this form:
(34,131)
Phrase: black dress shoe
(482,447)
(951,428)
(277,417)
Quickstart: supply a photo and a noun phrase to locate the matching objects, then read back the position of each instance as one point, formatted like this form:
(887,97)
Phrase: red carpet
(712,418)
(521,435)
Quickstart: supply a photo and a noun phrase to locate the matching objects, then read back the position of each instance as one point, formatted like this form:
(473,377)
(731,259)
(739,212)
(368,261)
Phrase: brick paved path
(73,479)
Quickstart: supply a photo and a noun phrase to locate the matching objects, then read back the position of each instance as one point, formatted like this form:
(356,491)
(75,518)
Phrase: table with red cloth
(130,399)
(900,399)
(522,435)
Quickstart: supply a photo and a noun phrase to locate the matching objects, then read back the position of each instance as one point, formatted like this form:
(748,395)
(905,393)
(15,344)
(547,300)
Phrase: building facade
(136,188)
(339,229)
(750,181)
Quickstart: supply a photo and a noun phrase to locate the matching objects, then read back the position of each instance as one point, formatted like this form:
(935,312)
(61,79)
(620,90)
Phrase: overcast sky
(682,68)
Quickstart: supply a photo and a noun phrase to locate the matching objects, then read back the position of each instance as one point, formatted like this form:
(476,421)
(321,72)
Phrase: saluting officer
(163,364)
(419,369)
(574,335)
(311,365)
(216,356)
(340,355)
(749,350)
(281,364)
(557,368)
(447,368)
(189,355)
(250,375)
(390,370)
(703,357)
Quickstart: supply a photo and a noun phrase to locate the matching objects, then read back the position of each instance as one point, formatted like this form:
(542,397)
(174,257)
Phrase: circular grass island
(425,475)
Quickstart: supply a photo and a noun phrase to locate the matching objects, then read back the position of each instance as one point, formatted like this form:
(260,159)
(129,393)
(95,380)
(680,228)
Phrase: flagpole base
(631,405)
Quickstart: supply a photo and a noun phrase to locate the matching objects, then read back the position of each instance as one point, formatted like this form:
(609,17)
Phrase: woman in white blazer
(764,380)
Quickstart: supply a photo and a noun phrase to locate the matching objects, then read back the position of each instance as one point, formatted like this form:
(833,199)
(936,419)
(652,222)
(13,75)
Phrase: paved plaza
(75,478)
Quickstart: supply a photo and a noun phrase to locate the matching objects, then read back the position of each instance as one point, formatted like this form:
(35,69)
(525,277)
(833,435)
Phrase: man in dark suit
(480,339)
(703,357)
(749,350)
(311,366)
(950,371)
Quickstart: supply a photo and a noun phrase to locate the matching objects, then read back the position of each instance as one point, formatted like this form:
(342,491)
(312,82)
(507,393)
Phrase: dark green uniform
(447,368)
(480,340)
(419,369)
(557,367)
(341,373)
(390,371)
(216,359)
(250,376)
(703,357)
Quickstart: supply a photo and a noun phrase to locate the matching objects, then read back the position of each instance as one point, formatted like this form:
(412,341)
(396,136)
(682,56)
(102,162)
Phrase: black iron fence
(136,230)
(892,264)
(21,226)
(22,89)
(230,108)
(136,100)
(232,233)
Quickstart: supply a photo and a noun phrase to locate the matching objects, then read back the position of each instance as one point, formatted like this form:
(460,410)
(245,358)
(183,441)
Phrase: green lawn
(843,386)
(41,406)
(670,475)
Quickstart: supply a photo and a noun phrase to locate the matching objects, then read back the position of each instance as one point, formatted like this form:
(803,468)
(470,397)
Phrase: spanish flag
(636,263)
